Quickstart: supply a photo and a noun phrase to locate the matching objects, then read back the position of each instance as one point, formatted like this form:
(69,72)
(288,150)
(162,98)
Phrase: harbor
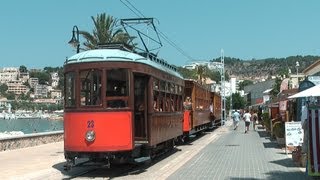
(21,126)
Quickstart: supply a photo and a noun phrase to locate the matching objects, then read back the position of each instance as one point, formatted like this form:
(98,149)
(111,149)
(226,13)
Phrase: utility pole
(220,66)
(223,89)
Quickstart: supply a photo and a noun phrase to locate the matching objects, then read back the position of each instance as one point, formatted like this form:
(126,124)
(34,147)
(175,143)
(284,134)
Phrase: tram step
(142,159)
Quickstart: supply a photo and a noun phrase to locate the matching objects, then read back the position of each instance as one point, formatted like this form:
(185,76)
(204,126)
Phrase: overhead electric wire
(134,8)
(140,15)
(129,8)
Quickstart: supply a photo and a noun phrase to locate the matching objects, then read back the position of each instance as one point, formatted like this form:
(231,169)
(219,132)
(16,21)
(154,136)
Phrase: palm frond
(105,31)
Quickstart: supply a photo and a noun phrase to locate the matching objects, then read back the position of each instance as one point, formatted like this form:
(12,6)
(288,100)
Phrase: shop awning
(311,92)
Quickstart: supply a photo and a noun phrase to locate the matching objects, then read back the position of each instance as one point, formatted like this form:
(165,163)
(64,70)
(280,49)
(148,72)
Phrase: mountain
(263,68)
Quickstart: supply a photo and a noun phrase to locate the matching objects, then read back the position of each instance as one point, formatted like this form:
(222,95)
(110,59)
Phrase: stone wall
(29,140)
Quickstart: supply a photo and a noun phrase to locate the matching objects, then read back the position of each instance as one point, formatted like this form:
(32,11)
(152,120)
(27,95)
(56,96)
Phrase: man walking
(236,119)
(247,119)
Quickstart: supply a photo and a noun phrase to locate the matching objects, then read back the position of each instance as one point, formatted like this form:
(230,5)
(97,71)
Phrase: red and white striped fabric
(314,142)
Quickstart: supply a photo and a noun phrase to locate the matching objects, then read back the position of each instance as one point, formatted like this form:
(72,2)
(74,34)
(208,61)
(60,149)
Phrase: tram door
(140,106)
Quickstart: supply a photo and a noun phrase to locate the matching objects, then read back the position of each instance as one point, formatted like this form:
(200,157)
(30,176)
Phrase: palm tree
(202,73)
(105,31)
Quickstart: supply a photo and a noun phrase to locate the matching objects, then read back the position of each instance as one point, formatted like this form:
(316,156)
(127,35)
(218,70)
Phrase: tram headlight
(90,135)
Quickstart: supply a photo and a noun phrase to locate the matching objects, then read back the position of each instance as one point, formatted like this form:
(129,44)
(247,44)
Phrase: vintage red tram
(201,108)
(120,105)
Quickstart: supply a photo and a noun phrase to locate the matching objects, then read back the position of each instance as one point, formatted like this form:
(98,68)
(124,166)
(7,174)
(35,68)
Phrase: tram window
(167,103)
(117,82)
(172,88)
(176,89)
(161,101)
(117,87)
(90,87)
(70,97)
(156,101)
(172,103)
(156,84)
(166,86)
(179,103)
(162,85)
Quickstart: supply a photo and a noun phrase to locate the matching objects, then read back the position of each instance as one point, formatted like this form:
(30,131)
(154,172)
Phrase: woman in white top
(247,119)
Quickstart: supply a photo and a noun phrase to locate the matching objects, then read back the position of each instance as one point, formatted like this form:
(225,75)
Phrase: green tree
(187,73)
(23,97)
(10,96)
(244,83)
(23,68)
(43,77)
(201,73)
(3,89)
(52,69)
(276,87)
(238,102)
(105,31)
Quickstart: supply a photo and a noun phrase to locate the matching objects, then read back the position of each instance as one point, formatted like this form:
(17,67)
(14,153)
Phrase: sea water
(28,126)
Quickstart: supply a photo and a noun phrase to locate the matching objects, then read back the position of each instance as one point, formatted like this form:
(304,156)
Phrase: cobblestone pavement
(236,155)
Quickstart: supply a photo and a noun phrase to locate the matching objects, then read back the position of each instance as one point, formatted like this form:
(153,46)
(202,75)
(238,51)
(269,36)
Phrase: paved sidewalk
(236,155)
(221,154)
(33,162)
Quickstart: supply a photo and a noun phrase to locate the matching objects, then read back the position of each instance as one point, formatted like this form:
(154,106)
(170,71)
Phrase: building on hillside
(40,91)
(234,84)
(190,66)
(45,101)
(56,94)
(17,87)
(54,79)
(24,76)
(33,82)
(3,103)
(9,74)
(219,88)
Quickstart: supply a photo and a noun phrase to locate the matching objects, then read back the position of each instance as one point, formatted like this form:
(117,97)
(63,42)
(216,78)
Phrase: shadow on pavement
(270,145)
(245,178)
(284,162)
(297,175)
(264,134)
(93,170)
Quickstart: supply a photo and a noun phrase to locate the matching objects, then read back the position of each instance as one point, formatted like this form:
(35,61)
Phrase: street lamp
(75,38)
(297,66)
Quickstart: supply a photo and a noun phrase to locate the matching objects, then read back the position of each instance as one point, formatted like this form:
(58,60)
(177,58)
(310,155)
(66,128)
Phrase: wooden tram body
(216,99)
(202,112)
(120,106)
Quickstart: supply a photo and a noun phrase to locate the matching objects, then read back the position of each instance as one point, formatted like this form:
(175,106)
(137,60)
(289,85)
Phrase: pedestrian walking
(254,119)
(236,118)
(247,119)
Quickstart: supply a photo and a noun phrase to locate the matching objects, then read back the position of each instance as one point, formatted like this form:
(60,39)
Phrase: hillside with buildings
(39,88)
(265,68)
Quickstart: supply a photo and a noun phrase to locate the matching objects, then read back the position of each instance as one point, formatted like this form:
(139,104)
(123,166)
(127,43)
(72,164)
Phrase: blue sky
(35,33)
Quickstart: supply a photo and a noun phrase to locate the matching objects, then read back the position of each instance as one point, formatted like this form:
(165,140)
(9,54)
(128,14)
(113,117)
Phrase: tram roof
(97,55)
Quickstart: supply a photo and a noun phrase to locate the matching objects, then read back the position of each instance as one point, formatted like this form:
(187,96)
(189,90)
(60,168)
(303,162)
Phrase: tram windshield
(90,87)
(117,87)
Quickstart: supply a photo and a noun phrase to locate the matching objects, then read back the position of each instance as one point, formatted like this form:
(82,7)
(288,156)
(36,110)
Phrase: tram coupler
(69,164)
(107,164)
